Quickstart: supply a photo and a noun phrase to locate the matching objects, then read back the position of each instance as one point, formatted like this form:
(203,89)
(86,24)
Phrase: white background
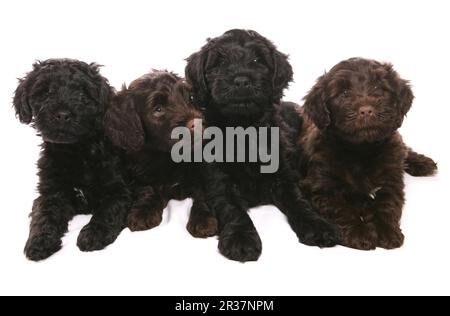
(129,38)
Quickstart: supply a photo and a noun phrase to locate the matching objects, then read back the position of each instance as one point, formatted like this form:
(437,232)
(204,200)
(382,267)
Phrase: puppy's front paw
(420,166)
(360,236)
(317,232)
(42,246)
(95,236)
(139,219)
(203,227)
(390,237)
(240,246)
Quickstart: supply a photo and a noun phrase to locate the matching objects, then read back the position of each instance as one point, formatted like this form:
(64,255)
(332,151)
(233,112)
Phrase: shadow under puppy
(354,157)
(141,121)
(239,78)
(79,171)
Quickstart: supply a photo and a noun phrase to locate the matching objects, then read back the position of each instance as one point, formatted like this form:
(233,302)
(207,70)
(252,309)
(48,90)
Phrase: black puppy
(239,78)
(65,101)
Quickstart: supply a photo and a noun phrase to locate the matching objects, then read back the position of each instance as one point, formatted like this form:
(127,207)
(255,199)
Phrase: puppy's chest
(91,170)
(258,188)
(155,169)
(361,178)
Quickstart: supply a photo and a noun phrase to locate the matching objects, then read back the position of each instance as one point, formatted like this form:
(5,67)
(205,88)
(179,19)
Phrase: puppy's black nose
(241,82)
(63,116)
(366,111)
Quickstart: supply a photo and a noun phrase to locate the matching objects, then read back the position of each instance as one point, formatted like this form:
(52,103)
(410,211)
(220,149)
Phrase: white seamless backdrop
(130,38)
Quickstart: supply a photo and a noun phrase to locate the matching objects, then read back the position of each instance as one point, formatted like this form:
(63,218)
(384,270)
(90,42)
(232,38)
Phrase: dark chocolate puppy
(141,122)
(354,157)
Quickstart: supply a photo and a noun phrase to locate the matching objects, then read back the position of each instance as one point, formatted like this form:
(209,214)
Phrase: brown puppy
(141,121)
(354,157)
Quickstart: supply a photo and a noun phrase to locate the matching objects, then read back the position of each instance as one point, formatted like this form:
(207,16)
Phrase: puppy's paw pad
(203,227)
(240,246)
(42,246)
(95,236)
(139,220)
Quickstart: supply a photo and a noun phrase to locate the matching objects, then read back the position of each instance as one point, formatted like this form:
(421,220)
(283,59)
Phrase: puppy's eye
(345,93)
(158,108)
(377,91)
(256,60)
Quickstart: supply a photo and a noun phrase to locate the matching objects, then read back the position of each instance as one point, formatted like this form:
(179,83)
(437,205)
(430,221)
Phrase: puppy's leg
(202,223)
(419,165)
(238,238)
(147,209)
(108,220)
(310,227)
(49,221)
(388,211)
(52,210)
(355,222)
(109,200)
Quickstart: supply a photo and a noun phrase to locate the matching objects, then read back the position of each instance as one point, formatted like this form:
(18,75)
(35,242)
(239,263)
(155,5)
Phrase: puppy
(79,172)
(354,157)
(141,122)
(239,78)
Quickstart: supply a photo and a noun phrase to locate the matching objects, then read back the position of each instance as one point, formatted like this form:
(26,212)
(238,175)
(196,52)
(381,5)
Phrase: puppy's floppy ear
(123,124)
(21,95)
(102,87)
(282,73)
(20,102)
(105,90)
(403,91)
(316,104)
(404,99)
(195,76)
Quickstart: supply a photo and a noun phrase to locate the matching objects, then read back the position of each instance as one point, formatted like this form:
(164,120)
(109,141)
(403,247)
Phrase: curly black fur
(239,78)
(79,171)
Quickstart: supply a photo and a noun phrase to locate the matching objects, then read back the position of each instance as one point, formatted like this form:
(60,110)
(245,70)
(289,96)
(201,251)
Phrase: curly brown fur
(239,78)
(141,121)
(79,171)
(354,157)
